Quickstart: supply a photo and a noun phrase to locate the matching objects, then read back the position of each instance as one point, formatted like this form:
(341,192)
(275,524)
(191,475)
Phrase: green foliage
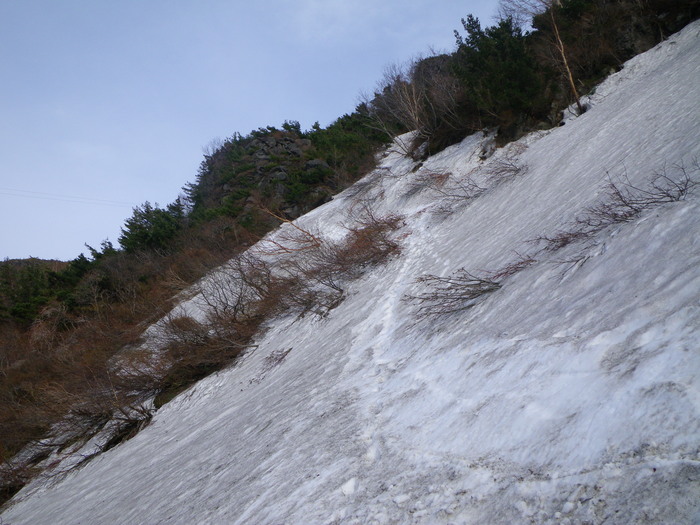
(25,287)
(599,35)
(499,76)
(292,126)
(348,143)
(152,228)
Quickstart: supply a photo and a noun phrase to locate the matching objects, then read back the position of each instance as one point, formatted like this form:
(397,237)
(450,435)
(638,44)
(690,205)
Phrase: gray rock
(316,164)
(292,211)
(278,149)
(294,149)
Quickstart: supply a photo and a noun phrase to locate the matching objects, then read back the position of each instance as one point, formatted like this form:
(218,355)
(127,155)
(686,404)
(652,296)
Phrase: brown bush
(448,295)
(506,166)
(98,377)
(510,269)
(623,202)
(321,268)
(420,95)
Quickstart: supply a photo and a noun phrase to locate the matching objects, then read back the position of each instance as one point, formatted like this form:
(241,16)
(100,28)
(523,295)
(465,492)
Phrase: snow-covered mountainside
(571,394)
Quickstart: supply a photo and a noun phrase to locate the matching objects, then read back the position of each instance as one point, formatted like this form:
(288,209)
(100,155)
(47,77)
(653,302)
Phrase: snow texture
(569,395)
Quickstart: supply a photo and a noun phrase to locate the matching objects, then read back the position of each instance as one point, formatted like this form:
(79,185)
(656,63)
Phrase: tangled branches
(447,295)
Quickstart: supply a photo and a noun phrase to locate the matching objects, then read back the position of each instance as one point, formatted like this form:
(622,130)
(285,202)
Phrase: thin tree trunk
(560,46)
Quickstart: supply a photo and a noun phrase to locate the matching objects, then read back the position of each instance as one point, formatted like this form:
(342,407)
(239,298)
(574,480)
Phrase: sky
(105,105)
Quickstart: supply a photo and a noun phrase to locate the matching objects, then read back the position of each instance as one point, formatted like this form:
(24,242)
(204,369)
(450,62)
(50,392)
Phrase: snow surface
(570,395)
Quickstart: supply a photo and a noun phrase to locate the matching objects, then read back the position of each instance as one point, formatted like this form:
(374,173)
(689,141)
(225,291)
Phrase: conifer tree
(525,10)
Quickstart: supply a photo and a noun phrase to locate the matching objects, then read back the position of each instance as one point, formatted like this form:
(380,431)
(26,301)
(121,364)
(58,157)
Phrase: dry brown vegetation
(295,272)
(63,377)
(446,185)
(448,295)
(418,95)
(506,166)
(99,376)
(623,202)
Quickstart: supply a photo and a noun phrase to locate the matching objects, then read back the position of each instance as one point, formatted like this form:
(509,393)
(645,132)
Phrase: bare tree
(524,10)
(418,95)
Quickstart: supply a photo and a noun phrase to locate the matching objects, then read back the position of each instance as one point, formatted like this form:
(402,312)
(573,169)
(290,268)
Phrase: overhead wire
(29,194)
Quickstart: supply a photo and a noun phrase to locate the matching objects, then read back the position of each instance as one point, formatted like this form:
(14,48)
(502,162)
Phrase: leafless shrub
(465,187)
(512,268)
(13,476)
(275,358)
(270,362)
(112,409)
(315,276)
(428,179)
(369,189)
(125,425)
(362,188)
(432,179)
(447,295)
(623,202)
(418,95)
(194,350)
(113,398)
(303,281)
(397,102)
(238,297)
(294,239)
(320,273)
(69,449)
(240,290)
(561,238)
(504,168)
(506,164)
(446,185)
(369,241)
(212,344)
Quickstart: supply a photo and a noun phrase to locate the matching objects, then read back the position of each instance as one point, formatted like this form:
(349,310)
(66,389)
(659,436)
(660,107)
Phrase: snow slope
(570,395)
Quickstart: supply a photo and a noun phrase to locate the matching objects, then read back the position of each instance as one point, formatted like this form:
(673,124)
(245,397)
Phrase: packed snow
(569,395)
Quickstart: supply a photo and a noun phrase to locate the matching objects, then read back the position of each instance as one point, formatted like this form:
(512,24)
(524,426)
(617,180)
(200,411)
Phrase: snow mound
(569,395)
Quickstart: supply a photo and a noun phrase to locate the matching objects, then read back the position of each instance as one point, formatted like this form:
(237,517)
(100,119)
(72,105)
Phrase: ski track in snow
(570,395)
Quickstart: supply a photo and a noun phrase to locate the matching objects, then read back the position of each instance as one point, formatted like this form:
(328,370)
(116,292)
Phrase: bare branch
(447,295)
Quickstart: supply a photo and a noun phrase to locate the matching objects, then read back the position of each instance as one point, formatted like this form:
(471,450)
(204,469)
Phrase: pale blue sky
(106,104)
